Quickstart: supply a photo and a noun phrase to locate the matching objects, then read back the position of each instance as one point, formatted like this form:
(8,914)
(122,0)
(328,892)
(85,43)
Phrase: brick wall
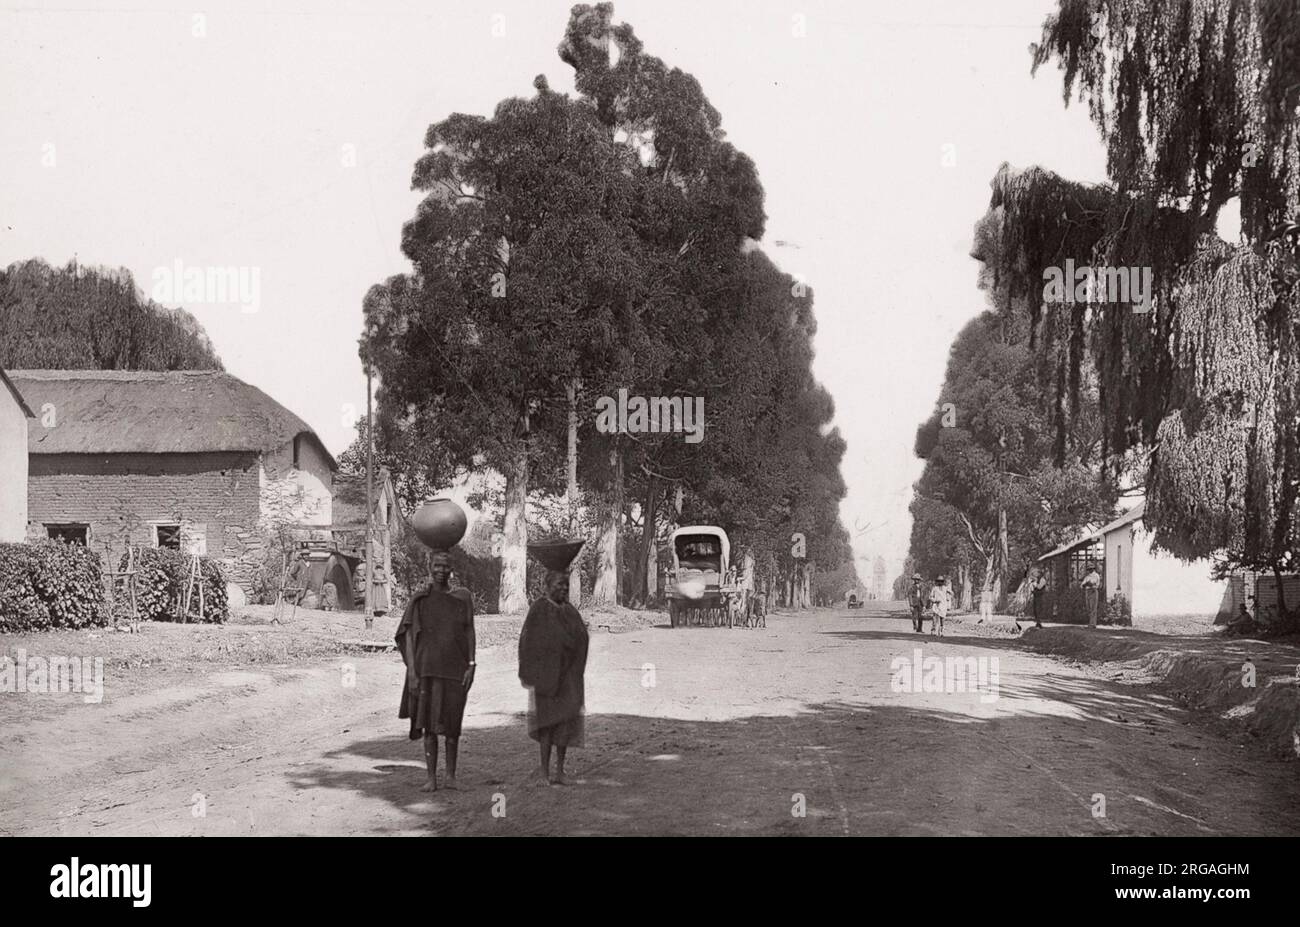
(122,496)
(226,503)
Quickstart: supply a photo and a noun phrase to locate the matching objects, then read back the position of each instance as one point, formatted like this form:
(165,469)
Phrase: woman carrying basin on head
(552,663)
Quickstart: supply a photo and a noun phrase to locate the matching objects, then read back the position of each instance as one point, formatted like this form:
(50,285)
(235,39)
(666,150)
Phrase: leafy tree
(93,318)
(592,244)
(991,498)
(1197,104)
(698,201)
(526,277)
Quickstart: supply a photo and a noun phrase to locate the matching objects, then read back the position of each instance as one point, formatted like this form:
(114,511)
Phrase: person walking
(916,601)
(940,601)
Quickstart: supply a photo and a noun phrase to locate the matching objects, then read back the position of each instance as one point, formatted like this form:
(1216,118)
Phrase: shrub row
(160,581)
(50,584)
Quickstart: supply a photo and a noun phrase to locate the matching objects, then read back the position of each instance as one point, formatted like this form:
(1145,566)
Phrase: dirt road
(804,728)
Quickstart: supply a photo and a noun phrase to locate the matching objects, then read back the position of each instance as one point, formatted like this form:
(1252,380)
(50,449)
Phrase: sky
(279,137)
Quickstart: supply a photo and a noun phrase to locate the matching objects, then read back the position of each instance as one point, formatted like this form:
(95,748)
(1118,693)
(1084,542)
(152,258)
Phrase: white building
(14,413)
(1154,582)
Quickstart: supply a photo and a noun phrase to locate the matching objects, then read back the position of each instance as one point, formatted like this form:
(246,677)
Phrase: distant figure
(986,606)
(295,581)
(940,602)
(1091,587)
(437,643)
(552,663)
(378,590)
(1037,587)
(916,600)
(379,597)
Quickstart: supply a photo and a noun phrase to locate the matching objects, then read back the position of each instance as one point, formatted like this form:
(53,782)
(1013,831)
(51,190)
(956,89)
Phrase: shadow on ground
(833,769)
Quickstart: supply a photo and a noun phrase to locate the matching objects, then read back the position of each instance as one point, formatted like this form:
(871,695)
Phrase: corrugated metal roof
(1127,518)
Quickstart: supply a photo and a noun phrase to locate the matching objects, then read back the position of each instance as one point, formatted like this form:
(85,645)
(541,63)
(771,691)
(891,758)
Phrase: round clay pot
(440,524)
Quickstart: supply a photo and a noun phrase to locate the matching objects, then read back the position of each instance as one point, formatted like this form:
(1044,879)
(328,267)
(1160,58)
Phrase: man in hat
(1091,587)
(916,601)
(1038,587)
(940,602)
(437,643)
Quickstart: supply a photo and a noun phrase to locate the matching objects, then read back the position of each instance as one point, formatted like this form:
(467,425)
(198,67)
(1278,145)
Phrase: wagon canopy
(705,548)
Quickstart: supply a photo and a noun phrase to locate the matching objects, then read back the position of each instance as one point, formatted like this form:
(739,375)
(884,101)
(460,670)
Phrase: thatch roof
(155,412)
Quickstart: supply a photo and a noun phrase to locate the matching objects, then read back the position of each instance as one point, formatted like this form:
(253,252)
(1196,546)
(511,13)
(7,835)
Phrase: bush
(50,584)
(1117,610)
(160,581)
(269,575)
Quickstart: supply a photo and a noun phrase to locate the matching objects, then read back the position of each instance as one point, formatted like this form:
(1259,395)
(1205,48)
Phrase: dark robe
(552,663)
(407,639)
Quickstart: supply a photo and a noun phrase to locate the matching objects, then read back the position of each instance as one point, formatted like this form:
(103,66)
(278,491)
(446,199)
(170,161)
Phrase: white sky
(228,149)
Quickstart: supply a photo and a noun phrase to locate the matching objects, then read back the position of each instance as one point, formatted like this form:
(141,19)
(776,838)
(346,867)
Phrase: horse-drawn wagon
(703,586)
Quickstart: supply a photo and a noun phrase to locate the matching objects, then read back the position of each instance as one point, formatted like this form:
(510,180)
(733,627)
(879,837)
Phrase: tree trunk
(652,571)
(607,561)
(513,599)
(992,582)
(963,577)
(571,493)
(1003,557)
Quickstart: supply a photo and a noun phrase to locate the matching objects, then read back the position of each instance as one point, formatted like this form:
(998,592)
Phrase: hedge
(160,581)
(50,584)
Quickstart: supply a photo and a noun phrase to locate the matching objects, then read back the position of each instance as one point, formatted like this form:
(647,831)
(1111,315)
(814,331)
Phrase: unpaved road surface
(798,729)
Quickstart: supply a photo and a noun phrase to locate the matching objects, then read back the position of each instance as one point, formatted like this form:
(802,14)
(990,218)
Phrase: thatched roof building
(156,412)
(194,460)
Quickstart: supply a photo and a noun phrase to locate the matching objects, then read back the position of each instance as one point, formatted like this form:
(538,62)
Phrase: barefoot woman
(552,661)
(436,640)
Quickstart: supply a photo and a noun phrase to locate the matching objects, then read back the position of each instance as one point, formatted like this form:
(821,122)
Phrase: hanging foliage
(1198,103)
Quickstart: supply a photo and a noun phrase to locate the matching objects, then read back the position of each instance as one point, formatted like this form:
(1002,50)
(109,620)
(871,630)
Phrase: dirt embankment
(1252,686)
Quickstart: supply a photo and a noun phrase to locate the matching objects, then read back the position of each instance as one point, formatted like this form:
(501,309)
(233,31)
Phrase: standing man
(1038,587)
(916,600)
(1091,585)
(436,640)
(940,602)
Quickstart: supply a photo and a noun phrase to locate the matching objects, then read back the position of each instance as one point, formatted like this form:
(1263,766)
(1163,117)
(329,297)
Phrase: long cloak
(553,660)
